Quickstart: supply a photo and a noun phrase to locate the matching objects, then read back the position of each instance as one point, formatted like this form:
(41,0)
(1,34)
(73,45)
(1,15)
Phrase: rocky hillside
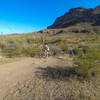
(76,16)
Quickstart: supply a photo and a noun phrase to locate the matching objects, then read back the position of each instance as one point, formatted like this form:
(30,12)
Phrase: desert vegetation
(72,78)
(84,48)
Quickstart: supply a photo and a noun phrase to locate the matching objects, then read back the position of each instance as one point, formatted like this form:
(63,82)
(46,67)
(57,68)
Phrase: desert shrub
(3,43)
(79,30)
(55,50)
(81,50)
(32,51)
(13,47)
(30,41)
(75,30)
(96,29)
(89,63)
(12,50)
(55,41)
(64,47)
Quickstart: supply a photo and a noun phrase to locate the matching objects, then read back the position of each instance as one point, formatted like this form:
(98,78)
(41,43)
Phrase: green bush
(89,63)
(55,50)
(81,50)
(32,51)
(12,50)
(3,44)
(64,47)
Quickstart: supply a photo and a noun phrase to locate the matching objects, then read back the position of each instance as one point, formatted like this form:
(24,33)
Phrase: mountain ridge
(77,15)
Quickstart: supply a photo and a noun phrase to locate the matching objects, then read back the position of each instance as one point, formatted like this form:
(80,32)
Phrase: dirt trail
(18,71)
(38,79)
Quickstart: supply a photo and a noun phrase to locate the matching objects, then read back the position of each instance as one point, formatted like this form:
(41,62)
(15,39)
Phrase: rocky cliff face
(78,15)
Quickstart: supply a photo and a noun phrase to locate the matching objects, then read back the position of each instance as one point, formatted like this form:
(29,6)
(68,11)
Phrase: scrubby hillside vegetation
(84,47)
(75,77)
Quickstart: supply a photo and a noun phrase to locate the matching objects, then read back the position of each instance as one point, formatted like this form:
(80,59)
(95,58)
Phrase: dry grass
(4,60)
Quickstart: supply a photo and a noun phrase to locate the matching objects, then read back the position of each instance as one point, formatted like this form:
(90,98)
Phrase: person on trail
(46,48)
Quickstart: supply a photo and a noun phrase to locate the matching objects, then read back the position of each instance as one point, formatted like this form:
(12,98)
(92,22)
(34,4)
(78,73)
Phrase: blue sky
(22,16)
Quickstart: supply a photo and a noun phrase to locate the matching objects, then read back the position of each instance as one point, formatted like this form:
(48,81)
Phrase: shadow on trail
(55,73)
